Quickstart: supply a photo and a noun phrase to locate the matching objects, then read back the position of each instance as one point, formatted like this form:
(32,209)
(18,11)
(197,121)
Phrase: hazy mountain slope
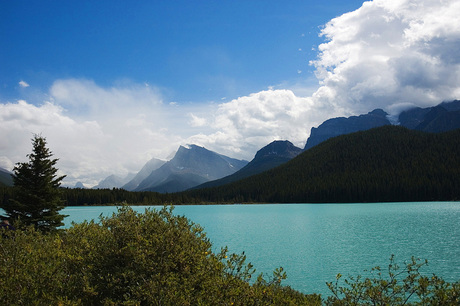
(441,118)
(79,185)
(341,126)
(389,163)
(178,181)
(113,181)
(413,117)
(272,155)
(146,170)
(6,178)
(451,106)
(190,167)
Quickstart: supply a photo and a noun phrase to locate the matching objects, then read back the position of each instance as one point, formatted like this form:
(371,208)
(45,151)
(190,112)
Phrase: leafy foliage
(37,199)
(155,258)
(400,287)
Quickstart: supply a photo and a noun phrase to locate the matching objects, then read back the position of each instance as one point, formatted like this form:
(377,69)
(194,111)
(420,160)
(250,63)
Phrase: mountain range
(440,118)
(190,167)
(196,167)
(384,164)
(411,158)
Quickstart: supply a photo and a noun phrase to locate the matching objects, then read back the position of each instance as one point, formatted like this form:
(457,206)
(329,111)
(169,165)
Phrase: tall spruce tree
(37,198)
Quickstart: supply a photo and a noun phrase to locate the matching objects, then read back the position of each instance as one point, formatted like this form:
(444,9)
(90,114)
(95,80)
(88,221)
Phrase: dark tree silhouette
(37,198)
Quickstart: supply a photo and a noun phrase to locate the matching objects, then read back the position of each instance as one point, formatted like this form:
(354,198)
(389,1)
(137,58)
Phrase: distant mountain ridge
(443,117)
(191,166)
(272,155)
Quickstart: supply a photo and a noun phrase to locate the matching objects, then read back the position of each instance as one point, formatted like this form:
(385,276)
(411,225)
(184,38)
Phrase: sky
(112,84)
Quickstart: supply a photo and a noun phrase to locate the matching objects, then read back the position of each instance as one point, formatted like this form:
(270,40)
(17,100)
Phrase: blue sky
(112,84)
(196,51)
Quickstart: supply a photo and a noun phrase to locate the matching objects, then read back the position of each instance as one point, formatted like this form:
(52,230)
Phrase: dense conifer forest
(83,197)
(79,197)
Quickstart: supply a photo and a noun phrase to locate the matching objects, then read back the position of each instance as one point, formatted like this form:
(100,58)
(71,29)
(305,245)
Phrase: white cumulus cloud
(390,52)
(242,126)
(196,121)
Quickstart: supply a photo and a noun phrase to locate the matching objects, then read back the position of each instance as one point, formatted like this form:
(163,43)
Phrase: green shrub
(32,268)
(154,258)
(398,286)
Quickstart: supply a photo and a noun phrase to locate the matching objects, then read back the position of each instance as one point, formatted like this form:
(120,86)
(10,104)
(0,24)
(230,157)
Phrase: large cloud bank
(93,131)
(390,52)
(387,54)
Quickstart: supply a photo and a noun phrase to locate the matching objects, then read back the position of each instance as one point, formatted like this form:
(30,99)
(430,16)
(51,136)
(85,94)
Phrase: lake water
(314,242)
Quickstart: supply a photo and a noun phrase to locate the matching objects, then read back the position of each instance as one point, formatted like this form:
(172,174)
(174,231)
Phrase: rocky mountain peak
(282,148)
(341,125)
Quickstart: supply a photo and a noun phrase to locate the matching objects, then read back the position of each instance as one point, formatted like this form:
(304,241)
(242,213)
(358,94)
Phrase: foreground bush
(155,258)
(395,286)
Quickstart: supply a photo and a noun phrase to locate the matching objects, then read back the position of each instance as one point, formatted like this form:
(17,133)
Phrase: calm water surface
(314,242)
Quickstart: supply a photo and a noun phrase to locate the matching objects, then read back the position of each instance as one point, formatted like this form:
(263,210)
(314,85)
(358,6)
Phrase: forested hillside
(389,163)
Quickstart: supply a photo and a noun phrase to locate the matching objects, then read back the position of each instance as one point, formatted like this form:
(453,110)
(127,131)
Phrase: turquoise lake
(314,242)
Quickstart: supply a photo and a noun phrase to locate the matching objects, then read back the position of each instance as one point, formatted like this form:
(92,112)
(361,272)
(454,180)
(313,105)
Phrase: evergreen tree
(37,198)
